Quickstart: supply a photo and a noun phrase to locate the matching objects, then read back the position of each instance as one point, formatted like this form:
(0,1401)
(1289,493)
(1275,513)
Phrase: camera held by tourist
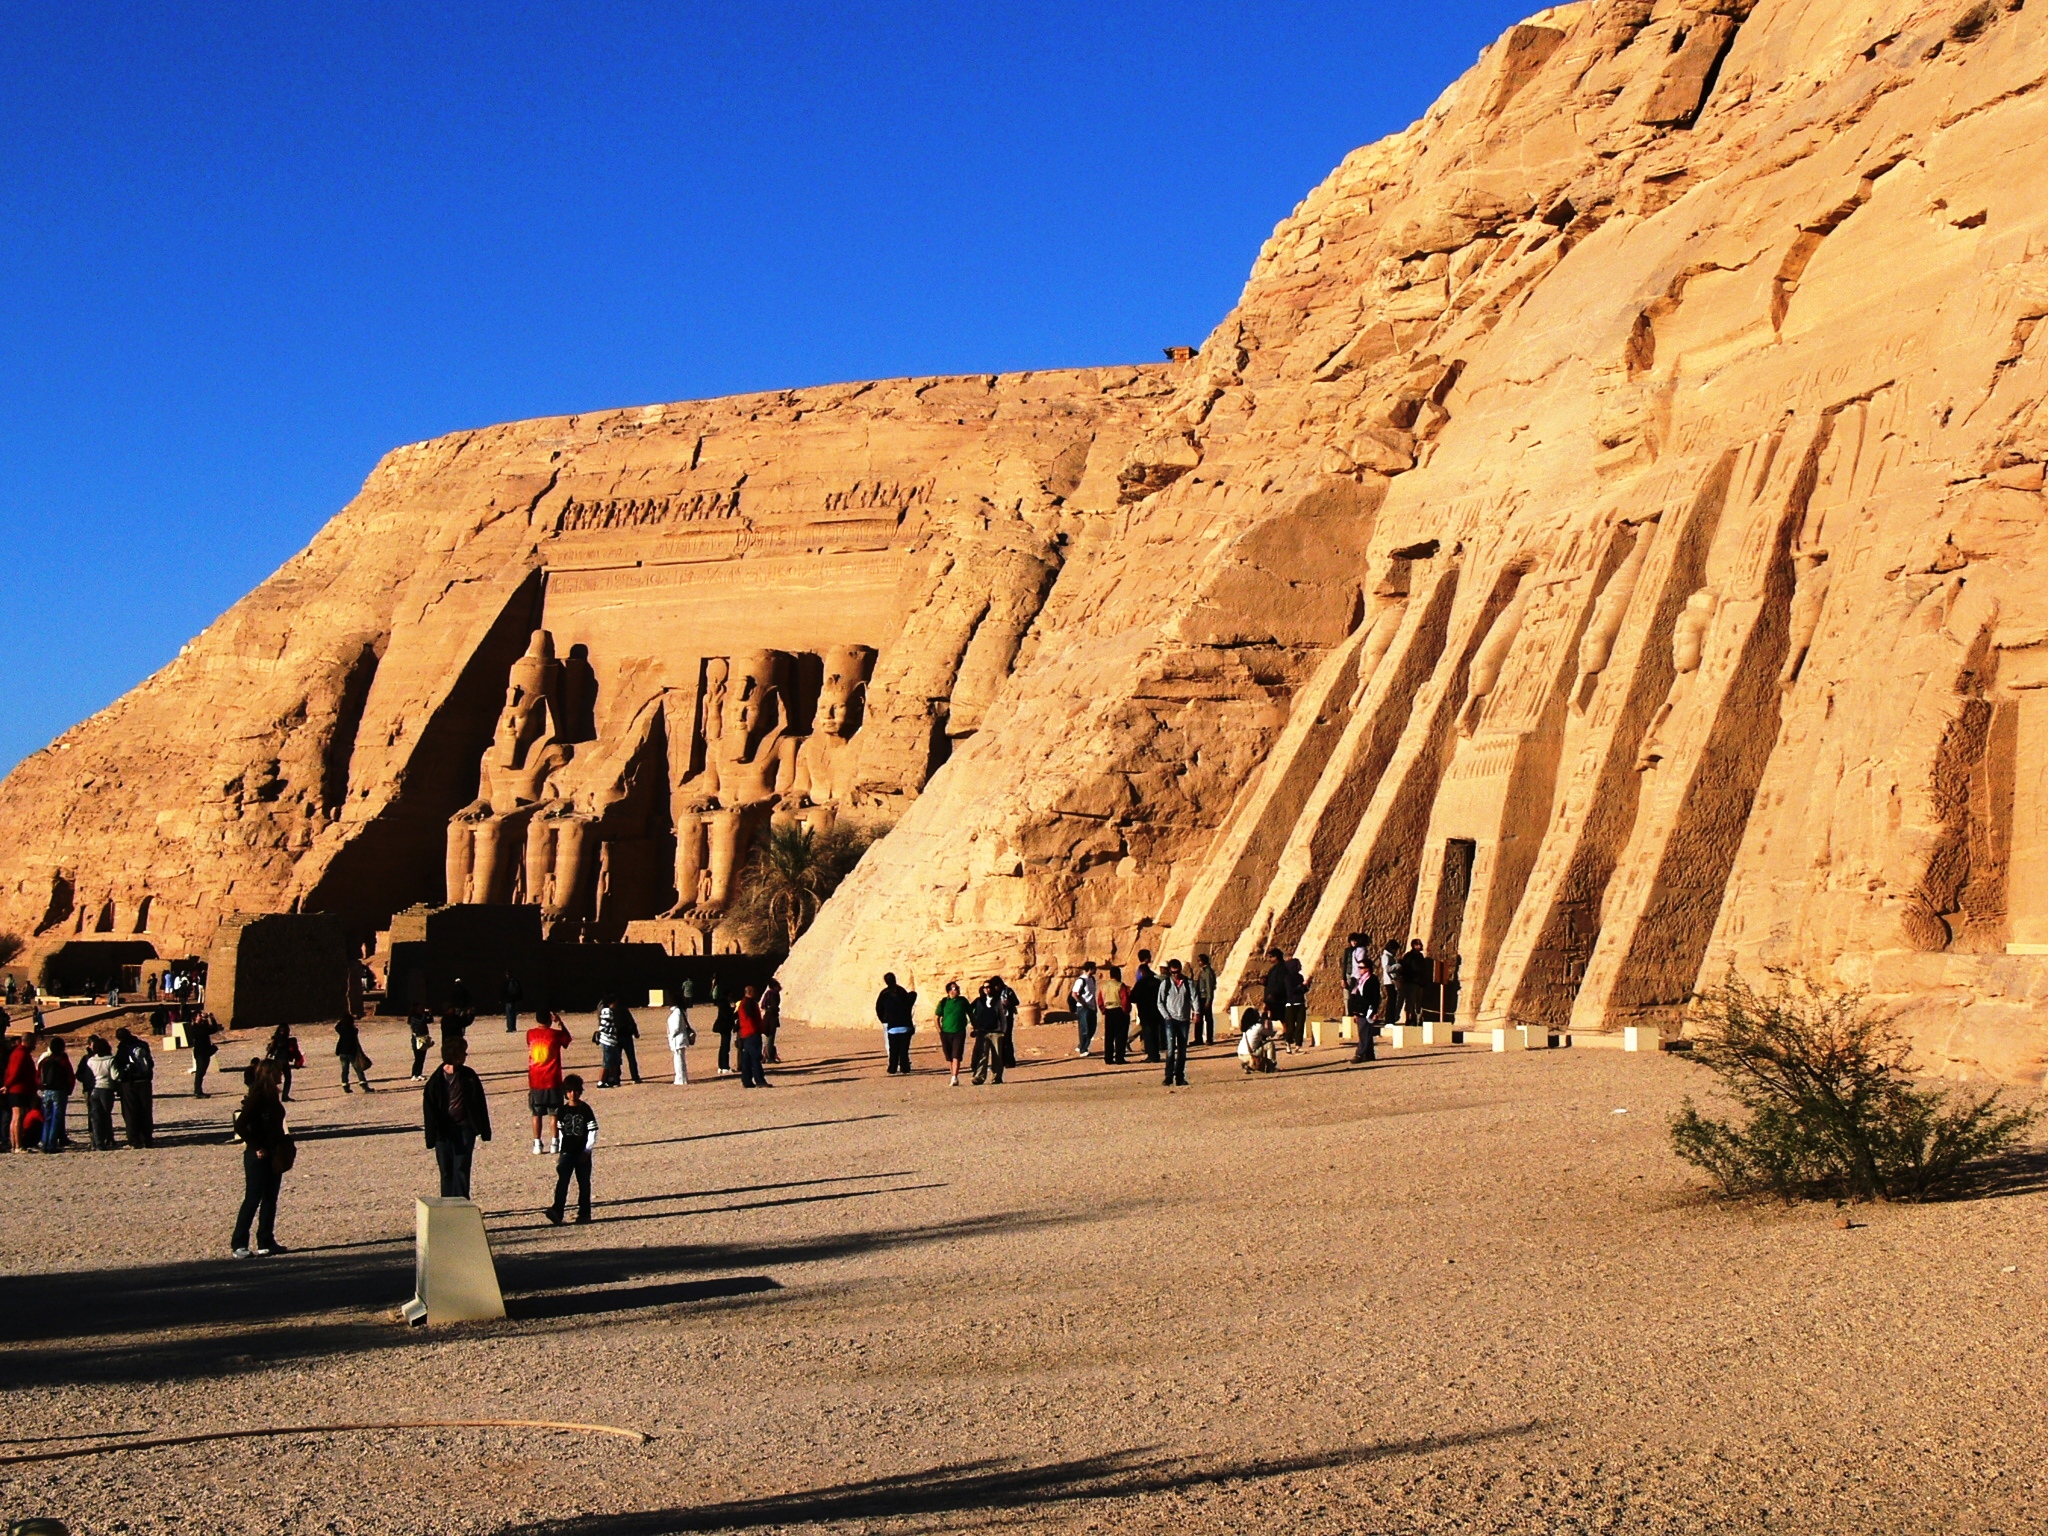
(200,1032)
(284,1054)
(545,1043)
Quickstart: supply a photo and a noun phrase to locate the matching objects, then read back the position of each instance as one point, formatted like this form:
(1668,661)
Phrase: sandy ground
(1454,1292)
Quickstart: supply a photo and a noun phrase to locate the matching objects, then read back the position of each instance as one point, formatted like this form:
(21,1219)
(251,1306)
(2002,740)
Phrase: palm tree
(793,871)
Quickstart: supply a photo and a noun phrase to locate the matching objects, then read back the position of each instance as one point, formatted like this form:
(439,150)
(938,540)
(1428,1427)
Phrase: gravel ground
(1455,1292)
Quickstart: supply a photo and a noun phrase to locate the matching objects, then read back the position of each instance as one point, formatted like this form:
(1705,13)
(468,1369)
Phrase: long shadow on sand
(978,1487)
(748,1130)
(216,1318)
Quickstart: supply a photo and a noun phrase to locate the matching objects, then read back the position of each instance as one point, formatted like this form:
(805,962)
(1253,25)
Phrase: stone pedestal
(1642,1038)
(1401,1036)
(1439,1032)
(454,1280)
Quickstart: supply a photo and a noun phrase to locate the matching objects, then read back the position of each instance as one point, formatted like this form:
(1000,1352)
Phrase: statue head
(754,700)
(846,672)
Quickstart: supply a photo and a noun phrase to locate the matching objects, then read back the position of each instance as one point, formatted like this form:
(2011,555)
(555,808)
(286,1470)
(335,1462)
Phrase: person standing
(897,1009)
(419,1025)
(512,996)
(1297,1006)
(267,1152)
(135,1083)
(200,1033)
(722,1024)
(1145,998)
(680,1038)
(545,1043)
(55,1080)
(1390,982)
(1417,972)
(1204,983)
(22,1090)
(1177,1008)
(348,1046)
(629,1031)
(1275,990)
(1361,994)
(608,1043)
(576,1135)
(457,1117)
(752,1036)
(952,1018)
(96,1077)
(1006,1000)
(771,1020)
(985,1017)
(1116,1019)
(1086,996)
(284,1054)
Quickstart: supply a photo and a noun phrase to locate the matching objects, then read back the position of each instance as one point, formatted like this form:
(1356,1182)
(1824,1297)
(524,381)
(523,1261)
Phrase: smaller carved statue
(1490,658)
(1809,596)
(1688,648)
(1609,609)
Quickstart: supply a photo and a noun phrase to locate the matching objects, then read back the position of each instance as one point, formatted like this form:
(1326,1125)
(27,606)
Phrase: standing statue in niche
(1688,649)
(1809,596)
(1596,648)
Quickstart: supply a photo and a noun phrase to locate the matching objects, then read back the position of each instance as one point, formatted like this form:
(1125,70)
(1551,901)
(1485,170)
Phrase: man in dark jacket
(1278,987)
(134,1077)
(985,1018)
(1145,999)
(897,1009)
(1417,973)
(457,1116)
(1006,1000)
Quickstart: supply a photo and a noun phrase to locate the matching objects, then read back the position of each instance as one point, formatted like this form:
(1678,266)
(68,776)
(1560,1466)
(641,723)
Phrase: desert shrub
(789,875)
(1833,1111)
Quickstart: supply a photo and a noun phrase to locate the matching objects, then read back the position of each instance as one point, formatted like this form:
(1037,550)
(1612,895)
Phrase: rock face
(1604,542)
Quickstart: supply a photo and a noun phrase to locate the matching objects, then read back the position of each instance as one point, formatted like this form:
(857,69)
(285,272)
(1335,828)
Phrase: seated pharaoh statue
(525,752)
(742,720)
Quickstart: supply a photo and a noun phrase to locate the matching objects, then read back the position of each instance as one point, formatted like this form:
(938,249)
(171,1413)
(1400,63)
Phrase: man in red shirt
(19,1087)
(545,1043)
(753,1035)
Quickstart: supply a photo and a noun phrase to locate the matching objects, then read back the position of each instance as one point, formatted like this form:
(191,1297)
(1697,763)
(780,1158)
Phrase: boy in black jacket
(576,1126)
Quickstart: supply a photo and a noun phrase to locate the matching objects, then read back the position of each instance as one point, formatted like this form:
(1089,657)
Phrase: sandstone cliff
(1602,541)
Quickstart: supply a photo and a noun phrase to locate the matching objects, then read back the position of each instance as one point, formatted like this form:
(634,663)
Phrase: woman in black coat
(267,1151)
(348,1045)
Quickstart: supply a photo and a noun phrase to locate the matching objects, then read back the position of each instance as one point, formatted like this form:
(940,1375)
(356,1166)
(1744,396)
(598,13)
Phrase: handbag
(689,1034)
(285,1154)
(363,1062)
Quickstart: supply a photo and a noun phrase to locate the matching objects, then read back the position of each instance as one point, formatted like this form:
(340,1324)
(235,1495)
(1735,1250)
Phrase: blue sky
(246,249)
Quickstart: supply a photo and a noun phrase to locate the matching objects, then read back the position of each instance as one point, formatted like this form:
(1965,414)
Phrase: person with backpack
(200,1033)
(96,1077)
(284,1054)
(1116,1019)
(1176,1002)
(897,1010)
(753,1037)
(348,1045)
(1145,998)
(1085,995)
(135,1083)
(1204,983)
(985,1018)
(268,1153)
(1006,1000)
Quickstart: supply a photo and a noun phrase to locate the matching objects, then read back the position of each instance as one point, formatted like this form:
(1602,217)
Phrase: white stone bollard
(454,1280)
